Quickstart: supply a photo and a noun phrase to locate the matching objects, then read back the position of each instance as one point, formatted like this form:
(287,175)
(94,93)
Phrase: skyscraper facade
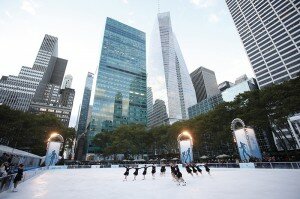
(120,93)
(167,72)
(67,83)
(269,30)
(205,83)
(19,91)
(85,104)
(149,103)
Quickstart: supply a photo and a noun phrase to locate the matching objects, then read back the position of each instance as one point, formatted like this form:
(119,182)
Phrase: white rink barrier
(115,166)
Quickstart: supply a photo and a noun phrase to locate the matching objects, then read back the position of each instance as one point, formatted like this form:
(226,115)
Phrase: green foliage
(211,131)
(30,132)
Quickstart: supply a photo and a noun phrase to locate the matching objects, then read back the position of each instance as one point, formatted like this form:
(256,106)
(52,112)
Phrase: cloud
(125,1)
(213,18)
(203,3)
(29,6)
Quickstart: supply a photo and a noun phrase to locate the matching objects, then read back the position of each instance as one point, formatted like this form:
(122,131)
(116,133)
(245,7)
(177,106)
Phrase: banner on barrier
(247,144)
(186,152)
(52,153)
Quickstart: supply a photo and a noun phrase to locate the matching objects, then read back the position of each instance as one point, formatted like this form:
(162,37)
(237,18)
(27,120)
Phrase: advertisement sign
(52,153)
(247,144)
(186,151)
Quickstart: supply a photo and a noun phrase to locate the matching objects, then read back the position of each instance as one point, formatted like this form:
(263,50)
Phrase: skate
(15,190)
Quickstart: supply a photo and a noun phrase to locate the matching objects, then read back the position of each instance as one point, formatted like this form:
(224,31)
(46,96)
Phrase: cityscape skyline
(211,53)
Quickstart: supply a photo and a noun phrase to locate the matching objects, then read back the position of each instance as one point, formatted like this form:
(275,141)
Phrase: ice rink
(108,183)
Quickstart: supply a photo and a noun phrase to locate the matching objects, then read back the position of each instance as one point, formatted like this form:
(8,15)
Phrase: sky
(204,29)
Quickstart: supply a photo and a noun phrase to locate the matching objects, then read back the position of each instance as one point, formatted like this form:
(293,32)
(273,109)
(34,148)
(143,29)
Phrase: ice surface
(108,183)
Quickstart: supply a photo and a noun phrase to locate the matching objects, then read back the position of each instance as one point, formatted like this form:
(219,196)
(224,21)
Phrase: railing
(259,165)
(277,165)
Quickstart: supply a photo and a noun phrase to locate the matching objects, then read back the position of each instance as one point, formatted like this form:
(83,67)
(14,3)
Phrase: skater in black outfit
(188,169)
(173,171)
(136,172)
(194,169)
(163,170)
(145,171)
(126,173)
(153,171)
(179,176)
(18,177)
(207,169)
(199,169)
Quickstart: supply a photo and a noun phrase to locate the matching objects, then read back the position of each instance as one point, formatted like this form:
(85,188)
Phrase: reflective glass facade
(167,72)
(120,93)
(85,104)
(230,93)
(269,30)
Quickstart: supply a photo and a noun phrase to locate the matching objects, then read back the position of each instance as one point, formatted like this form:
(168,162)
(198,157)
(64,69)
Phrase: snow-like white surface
(108,183)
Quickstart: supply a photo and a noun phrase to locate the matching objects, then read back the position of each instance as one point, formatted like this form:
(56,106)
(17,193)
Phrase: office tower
(67,83)
(224,85)
(120,93)
(18,91)
(205,105)
(167,72)
(159,115)
(205,83)
(248,84)
(85,104)
(149,103)
(269,31)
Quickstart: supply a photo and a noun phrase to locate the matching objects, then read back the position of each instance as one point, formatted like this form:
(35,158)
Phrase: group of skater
(191,168)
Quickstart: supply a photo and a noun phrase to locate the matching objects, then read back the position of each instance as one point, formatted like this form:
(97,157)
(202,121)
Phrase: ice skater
(207,169)
(153,171)
(179,177)
(126,173)
(199,169)
(145,172)
(18,177)
(194,169)
(173,171)
(163,170)
(188,169)
(136,173)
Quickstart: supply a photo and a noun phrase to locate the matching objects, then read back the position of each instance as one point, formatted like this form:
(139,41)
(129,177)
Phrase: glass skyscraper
(85,104)
(120,93)
(269,30)
(167,72)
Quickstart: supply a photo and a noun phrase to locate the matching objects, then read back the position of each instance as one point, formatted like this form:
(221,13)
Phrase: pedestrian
(3,167)
(18,177)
